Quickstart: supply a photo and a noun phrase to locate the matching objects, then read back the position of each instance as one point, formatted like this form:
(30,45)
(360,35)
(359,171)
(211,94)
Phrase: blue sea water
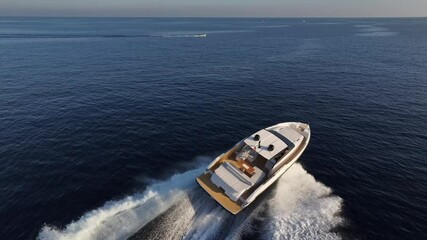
(105,122)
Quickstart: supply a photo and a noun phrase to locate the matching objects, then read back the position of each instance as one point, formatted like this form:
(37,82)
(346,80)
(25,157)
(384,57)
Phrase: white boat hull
(235,205)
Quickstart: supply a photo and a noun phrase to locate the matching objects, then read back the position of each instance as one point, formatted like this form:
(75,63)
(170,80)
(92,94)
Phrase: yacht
(200,35)
(235,178)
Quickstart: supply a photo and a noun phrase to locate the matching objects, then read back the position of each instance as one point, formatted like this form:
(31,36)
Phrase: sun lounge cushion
(233,181)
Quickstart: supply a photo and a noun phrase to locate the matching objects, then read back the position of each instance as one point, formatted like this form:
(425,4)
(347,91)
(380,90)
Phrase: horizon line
(256,17)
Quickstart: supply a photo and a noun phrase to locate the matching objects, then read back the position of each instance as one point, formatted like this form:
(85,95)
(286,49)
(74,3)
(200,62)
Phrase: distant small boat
(238,176)
(200,35)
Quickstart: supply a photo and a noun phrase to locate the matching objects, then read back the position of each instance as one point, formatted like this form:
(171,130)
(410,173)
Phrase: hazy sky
(215,8)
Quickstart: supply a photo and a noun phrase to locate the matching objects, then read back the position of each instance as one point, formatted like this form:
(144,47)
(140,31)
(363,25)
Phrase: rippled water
(104,123)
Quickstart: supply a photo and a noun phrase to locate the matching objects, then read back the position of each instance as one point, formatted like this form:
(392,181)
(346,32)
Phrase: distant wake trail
(298,208)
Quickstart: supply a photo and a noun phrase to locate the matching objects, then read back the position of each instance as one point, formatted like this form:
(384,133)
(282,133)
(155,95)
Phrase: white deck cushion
(290,134)
(233,181)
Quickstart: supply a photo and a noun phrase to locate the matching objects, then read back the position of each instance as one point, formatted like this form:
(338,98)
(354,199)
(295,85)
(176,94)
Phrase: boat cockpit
(251,161)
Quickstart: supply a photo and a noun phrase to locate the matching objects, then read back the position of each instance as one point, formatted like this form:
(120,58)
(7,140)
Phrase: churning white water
(302,208)
(298,208)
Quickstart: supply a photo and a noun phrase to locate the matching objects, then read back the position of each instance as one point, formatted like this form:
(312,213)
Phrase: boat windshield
(247,153)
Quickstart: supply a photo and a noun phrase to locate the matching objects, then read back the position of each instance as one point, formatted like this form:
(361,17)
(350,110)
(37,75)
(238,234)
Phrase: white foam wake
(298,208)
(373,31)
(302,208)
(120,219)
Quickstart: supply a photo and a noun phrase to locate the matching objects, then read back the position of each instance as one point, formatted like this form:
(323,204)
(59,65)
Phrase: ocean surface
(105,123)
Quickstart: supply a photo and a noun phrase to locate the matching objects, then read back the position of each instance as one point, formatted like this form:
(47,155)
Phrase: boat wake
(303,208)
(297,207)
(373,31)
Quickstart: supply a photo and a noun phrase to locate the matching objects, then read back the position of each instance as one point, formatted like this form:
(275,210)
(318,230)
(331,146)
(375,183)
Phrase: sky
(215,8)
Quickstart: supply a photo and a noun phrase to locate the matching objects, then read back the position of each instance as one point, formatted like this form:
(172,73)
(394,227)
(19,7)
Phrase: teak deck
(216,193)
(246,167)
